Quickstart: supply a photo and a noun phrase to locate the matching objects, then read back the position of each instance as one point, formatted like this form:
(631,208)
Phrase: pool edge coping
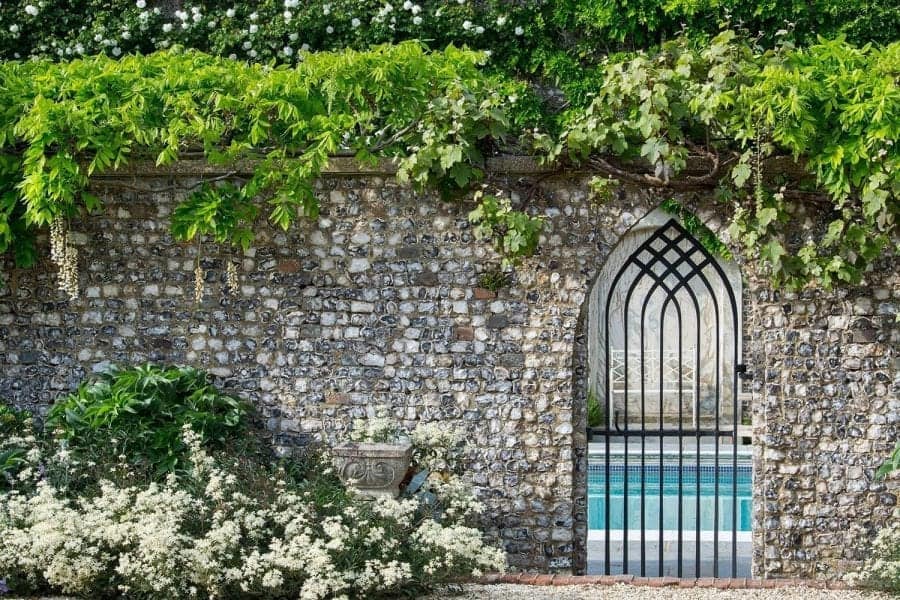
(542,579)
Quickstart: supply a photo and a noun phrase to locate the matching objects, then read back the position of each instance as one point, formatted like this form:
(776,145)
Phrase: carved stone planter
(372,468)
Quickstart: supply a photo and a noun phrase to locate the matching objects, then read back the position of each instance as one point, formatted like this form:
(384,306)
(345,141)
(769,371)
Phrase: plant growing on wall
(831,110)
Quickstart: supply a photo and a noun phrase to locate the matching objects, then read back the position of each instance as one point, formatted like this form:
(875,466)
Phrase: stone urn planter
(374,469)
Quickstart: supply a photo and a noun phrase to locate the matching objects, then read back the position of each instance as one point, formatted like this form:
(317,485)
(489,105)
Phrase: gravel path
(629,592)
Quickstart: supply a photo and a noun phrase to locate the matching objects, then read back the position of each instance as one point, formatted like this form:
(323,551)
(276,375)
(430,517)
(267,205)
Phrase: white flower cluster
(65,256)
(378,429)
(203,537)
(882,569)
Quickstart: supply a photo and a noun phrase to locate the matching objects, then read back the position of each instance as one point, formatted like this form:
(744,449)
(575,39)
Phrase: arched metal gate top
(670,330)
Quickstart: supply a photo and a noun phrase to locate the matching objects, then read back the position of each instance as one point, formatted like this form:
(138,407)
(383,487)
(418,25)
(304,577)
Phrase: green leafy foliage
(594,411)
(832,109)
(494,279)
(140,412)
(436,113)
(13,424)
(693,225)
(515,234)
(891,465)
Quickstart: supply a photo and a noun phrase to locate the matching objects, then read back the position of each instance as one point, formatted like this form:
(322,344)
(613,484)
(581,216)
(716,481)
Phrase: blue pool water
(653,501)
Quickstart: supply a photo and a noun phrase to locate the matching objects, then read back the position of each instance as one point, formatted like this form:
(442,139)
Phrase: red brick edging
(705,582)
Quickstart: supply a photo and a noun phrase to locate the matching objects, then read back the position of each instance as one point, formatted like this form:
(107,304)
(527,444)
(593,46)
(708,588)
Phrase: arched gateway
(668,480)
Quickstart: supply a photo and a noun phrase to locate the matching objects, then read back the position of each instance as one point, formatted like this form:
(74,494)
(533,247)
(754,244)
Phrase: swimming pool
(666,502)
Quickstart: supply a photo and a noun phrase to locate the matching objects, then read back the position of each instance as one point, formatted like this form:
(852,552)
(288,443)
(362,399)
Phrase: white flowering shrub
(882,569)
(281,30)
(205,535)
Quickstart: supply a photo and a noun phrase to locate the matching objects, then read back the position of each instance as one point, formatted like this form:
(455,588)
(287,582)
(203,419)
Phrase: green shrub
(594,411)
(140,412)
(14,425)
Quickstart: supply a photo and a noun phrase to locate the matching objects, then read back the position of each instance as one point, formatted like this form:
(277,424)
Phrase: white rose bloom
(141,3)
(355,22)
(467,25)
(254,16)
(416,9)
(329,29)
(230,13)
(407,5)
(232,56)
(304,48)
(144,16)
(519,30)
(288,51)
(288,15)
(417,20)
(252,54)
(293,37)
(126,35)
(248,45)
(31,9)
(254,28)
(326,9)
(14,28)
(167,27)
(98,37)
(197,17)
(117,51)
(479,30)
(501,20)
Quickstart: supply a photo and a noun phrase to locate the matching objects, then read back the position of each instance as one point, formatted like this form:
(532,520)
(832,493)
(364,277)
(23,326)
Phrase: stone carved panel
(373,469)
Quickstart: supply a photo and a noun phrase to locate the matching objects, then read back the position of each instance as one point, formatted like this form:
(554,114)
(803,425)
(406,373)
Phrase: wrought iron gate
(671,329)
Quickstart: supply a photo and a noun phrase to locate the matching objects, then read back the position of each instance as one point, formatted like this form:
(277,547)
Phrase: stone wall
(376,304)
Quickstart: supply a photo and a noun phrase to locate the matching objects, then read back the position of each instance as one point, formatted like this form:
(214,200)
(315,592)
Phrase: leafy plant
(595,411)
(891,465)
(140,412)
(831,110)
(693,225)
(15,425)
(494,279)
(514,233)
